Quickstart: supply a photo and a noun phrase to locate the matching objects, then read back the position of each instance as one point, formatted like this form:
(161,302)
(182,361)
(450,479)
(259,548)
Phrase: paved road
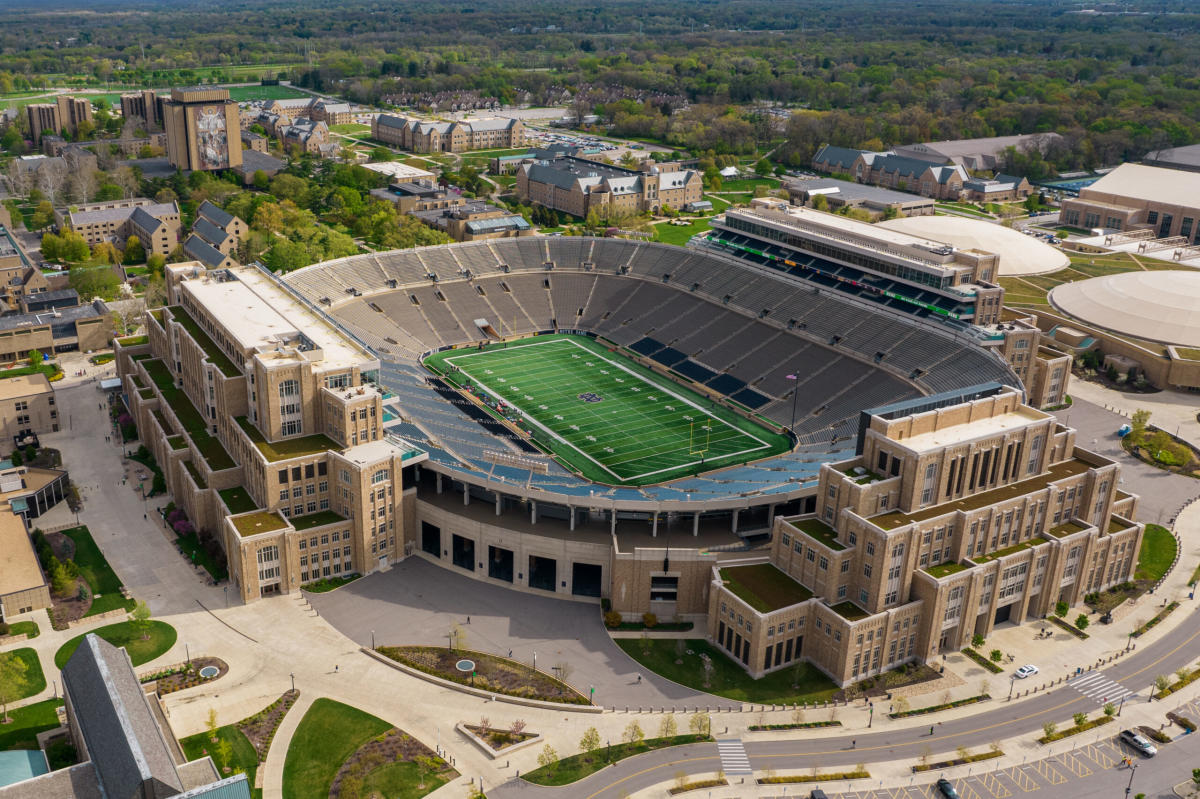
(417,602)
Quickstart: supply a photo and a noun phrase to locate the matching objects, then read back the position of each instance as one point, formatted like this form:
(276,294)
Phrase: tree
(700,724)
(426,765)
(1081,621)
(590,741)
(1049,728)
(94,281)
(820,202)
(668,728)
(633,733)
(61,582)
(225,755)
(43,215)
(1110,709)
(548,758)
(13,671)
(762,167)
(1079,718)
(135,253)
(976,640)
(261,180)
(1061,608)
(706,664)
(1141,420)
(996,655)
(1162,682)
(35,358)
(141,619)
(210,724)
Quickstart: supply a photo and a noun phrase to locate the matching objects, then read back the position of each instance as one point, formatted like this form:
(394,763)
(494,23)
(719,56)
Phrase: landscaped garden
(142,647)
(553,771)
(23,675)
(81,581)
(1157,553)
(339,750)
(802,682)
(327,584)
(241,747)
(93,567)
(25,723)
(491,673)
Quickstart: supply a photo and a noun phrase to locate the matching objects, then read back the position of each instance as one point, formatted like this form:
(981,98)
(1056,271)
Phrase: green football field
(612,419)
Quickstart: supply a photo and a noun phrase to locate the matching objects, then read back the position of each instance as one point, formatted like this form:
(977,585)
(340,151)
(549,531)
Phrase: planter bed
(186,675)
(662,626)
(1190,678)
(1182,721)
(696,786)
(958,761)
(857,774)
(982,661)
(920,711)
(1154,734)
(1075,729)
(802,725)
(492,673)
(1148,626)
(1071,628)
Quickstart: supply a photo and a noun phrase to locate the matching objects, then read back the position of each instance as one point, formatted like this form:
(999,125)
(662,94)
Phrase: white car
(1025,671)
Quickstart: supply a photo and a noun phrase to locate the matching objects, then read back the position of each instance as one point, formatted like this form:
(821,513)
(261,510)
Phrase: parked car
(1139,742)
(1028,670)
(947,790)
(817,793)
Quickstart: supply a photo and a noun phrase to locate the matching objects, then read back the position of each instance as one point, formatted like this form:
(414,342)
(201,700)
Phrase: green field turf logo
(589,396)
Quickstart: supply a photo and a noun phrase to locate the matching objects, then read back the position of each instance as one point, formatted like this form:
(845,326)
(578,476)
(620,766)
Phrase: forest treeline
(1117,81)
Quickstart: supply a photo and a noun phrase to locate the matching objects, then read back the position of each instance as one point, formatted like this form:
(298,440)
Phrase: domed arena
(1162,306)
(1020,255)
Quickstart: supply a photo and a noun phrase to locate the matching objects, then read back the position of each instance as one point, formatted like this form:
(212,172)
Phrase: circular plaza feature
(1158,306)
(1019,254)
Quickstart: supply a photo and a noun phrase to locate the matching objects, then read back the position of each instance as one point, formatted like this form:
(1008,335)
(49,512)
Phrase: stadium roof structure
(1019,254)
(1187,158)
(1161,306)
(1149,183)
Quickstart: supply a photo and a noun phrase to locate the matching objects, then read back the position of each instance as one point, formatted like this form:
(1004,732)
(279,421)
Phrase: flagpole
(795,396)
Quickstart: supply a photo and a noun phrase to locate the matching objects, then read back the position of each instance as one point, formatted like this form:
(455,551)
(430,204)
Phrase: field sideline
(612,419)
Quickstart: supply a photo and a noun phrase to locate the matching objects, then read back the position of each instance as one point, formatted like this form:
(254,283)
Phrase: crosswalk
(1094,685)
(733,757)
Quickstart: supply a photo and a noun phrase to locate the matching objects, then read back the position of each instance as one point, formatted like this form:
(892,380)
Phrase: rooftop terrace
(1068,528)
(238,500)
(848,610)
(819,531)
(945,569)
(764,587)
(288,448)
(192,421)
(318,519)
(258,522)
(1010,550)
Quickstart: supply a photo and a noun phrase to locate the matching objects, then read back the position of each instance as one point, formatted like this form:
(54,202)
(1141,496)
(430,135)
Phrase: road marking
(1047,770)
(1075,765)
(1098,687)
(1099,755)
(992,784)
(733,757)
(1022,779)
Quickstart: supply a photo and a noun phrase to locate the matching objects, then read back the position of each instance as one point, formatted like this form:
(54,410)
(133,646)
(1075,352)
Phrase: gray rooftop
(840,157)
(211,233)
(215,214)
(144,220)
(94,216)
(56,317)
(114,718)
(1187,157)
(199,249)
(854,192)
(253,160)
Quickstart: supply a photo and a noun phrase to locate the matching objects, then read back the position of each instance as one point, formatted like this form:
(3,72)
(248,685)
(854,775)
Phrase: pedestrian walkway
(1095,685)
(733,757)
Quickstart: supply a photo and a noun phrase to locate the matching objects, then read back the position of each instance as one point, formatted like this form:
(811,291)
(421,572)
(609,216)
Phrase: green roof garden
(1067,528)
(133,341)
(137,380)
(214,353)
(945,569)
(1011,550)
(146,393)
(261,521)
(848,610)
(1116,524)
(197,478)
(238,500)
(191,419)
(177,442)
(162,421)
(820,531)
(311,520)
(157,313)
(1059,471)
(764,587)
(288,448)
(862,479)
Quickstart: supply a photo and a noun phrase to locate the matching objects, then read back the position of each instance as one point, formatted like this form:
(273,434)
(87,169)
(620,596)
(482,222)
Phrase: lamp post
(1012,680)
(1129,787)
(795,396)
(871,718)
(293,676)
(372,640)
(187,652)
(1122,706)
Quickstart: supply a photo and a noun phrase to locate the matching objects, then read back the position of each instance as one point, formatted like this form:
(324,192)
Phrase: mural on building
(212,139)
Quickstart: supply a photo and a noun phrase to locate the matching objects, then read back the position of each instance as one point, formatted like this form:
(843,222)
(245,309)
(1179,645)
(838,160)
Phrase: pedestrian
(639,680)
(144,516)
(931,730)
(510,654)
(468,619)
(853,743)
(335,669)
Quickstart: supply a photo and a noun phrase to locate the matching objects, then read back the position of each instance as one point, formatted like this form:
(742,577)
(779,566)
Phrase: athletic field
(612,419)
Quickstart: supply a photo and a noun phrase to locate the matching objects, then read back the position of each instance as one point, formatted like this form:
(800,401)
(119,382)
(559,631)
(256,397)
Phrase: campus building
(27,407)
(269,430)
(475,220)
(1165,202)
(952,518)
(66,329)
(64,114)
(23,587)
(565,182)
(202,126)
(146,105)
(926,172)
(156,225)
(423,136)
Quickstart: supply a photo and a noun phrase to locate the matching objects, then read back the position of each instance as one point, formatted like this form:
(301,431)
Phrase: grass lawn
(351,127)
(93,567)
(748,184)
(195,552)
(26,722)
(610,418)
(34,680)
(680,234)
(329,733)
(399,780)
(728,678)
(29,629)
(736,198)
(576,767)
(162,637)
(49,369)
(242,756)
(1157,553)
(241,94)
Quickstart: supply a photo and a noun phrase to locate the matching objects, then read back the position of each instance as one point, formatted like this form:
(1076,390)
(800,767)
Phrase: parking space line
(1075,765)
(1052,775)
(967,791)
(1099,755)
(992,784)
(1023,779)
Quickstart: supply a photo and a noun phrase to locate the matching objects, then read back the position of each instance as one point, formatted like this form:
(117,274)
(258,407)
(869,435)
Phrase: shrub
(1061,608)
(1082,621)
(612,620)
(976,640)
(650,620)
(996,655)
